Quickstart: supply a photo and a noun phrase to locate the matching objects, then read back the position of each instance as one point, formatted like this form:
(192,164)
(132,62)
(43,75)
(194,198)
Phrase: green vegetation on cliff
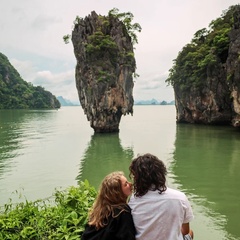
(63,217)
(100,43)
(106,42)
(15,93)
(208,47)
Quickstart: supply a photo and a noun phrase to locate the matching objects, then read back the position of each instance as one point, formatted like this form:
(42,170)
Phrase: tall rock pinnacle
(104,72)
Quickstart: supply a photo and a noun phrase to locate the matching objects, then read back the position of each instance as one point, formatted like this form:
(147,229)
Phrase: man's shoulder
(175,193)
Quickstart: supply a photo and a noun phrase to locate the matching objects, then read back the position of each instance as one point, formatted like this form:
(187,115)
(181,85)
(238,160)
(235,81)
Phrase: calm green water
(44,150)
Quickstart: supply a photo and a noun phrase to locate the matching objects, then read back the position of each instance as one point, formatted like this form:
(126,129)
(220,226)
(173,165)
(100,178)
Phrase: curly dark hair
(148,173)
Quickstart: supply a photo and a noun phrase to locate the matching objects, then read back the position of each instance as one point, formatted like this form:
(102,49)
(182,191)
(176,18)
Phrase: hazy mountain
(153,102)
(66,102)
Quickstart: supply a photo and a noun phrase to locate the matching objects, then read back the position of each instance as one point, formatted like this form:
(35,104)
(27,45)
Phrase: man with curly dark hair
(158,211)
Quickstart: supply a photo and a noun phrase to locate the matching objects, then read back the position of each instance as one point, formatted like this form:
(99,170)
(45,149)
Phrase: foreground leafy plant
(62,217)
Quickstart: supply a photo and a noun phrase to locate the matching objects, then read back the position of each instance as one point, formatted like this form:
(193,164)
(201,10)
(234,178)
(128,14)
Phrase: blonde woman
(110,217)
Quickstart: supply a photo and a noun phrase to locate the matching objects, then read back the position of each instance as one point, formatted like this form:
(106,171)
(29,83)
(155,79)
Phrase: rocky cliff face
(233,69)
(217,101)
(104,70)
(209,105)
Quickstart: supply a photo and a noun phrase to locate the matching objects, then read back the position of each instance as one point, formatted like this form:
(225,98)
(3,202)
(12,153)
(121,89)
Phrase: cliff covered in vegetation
(206,73)
(103,47)
(15,93)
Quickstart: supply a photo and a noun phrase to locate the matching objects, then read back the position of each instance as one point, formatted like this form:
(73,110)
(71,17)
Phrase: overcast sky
(32,38)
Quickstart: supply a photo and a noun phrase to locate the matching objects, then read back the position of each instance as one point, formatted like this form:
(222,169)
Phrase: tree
(207,47)
(126,18)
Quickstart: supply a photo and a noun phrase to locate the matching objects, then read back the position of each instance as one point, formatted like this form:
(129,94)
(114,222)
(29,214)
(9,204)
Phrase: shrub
(61,217)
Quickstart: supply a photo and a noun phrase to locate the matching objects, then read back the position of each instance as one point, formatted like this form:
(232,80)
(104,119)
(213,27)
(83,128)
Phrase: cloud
(152,81)
(26,69)
(59,83)
(50,79)
(153,86)
(32,35)
(42,22)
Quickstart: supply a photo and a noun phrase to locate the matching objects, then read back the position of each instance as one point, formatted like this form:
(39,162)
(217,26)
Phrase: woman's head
(113,193)
(149,173)
(115,188)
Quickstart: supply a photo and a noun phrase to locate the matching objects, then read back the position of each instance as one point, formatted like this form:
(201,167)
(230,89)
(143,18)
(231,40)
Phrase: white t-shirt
(160,216)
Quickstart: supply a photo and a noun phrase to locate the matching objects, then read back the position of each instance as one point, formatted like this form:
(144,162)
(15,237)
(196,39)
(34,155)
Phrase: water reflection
(38,151)
(206,164)
(104,155)
(17,128)
(10,135)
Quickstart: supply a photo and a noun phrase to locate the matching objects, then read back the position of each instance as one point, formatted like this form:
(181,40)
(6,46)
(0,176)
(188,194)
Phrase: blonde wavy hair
(110,197)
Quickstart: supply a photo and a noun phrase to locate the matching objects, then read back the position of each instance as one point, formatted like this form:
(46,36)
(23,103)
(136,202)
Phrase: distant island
(16,93)
(153,102)
(65,102)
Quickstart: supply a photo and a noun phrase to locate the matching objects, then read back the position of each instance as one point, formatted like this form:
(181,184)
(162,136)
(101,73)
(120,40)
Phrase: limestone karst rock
(206,74)
(104,70)
(233,67)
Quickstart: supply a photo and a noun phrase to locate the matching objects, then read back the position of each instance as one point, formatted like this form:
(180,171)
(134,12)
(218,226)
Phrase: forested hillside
(15,93)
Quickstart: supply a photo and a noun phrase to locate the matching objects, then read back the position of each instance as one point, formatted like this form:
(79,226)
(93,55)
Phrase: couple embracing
(154,211)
